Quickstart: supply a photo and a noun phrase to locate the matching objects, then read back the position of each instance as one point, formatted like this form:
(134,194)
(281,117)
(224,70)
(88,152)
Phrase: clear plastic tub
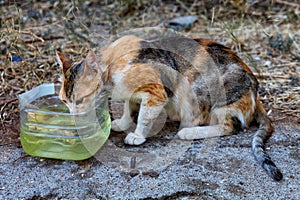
(49,130)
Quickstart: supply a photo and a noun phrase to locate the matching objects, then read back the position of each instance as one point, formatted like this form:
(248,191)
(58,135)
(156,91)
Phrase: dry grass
(264,33)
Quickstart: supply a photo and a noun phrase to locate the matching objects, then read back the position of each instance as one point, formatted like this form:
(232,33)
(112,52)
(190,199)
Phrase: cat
(198,82)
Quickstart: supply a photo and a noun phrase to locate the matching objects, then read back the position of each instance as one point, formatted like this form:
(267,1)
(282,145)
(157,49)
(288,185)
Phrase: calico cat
(198,82)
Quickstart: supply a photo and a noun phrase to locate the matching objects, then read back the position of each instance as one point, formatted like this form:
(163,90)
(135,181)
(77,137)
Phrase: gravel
(221,168)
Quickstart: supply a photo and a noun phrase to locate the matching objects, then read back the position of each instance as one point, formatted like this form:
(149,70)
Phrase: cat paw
(118,125)
(186,134)
(134,139)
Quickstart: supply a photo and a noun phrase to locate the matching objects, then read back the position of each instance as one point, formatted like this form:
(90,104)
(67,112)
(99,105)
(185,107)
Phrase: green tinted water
(62,136)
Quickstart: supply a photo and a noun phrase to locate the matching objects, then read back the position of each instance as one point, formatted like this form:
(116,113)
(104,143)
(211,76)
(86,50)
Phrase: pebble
(151,173)
(134,172)
(180,23)
(132,162)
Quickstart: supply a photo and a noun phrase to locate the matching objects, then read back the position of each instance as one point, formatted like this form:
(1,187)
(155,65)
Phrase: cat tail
(263,133)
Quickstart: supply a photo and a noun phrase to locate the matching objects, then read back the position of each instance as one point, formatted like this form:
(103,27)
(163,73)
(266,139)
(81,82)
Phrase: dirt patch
(264,33)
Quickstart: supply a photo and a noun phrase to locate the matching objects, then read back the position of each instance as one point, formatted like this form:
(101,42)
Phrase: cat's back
(176,52)
(121,51)
(198,59)
(193,58)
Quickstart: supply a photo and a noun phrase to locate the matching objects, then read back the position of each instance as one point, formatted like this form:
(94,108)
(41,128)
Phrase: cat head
(80,81)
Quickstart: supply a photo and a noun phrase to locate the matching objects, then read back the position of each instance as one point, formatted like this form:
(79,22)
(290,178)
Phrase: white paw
(119,125)
(134,139)
(186,134)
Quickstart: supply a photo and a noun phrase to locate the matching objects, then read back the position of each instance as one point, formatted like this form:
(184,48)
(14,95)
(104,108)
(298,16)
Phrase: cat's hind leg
(201,132)
(223,122)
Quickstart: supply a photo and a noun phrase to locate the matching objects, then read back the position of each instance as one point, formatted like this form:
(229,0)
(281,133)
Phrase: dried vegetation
(264,33)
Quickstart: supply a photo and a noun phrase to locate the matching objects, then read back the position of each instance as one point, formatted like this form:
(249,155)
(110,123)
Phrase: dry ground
(264,33)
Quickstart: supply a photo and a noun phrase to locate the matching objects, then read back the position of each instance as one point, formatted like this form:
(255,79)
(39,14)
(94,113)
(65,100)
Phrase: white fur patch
(200,132)
(120,91)
(134,139)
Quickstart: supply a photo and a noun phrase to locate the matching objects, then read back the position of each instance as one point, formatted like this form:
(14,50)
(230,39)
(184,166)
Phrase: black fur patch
(236,84)
(219,53)
(175,52)
(169,92)
(70,79)
(268,161)
(155,54)
(237,125)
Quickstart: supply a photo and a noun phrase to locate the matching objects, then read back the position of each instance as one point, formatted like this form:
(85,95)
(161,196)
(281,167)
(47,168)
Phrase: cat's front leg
(146,119)
(125,121)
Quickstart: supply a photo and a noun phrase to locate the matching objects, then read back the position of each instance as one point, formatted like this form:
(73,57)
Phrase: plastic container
(49,130)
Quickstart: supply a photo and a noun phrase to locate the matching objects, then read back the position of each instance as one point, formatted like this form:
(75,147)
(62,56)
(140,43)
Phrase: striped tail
(258,143)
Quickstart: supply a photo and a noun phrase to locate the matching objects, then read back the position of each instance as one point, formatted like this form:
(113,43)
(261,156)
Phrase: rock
(134,172)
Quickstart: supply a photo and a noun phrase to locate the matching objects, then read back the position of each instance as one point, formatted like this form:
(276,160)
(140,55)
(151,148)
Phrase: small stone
(180,23)
(145,173)
(267,63)
(151,173)
(132,162)
(134,172)
(33,14)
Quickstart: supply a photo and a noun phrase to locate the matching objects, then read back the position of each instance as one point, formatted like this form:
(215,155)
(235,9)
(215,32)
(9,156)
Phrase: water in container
(49,130)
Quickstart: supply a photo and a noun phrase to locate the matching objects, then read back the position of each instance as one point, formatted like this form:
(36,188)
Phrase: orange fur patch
(139,75)
(263,117)
(142,78)
(156,92)
(119,53)
(245,105)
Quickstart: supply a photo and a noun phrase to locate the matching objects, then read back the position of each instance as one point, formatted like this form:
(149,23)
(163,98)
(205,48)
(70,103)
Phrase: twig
(213,16)
(287,3)
(34,35)
(294,74)
(282,65)
(71,28)
(265,75)
(26,33)
(9,101)
(45,39)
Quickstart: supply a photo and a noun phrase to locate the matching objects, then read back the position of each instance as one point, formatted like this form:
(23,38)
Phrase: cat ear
(64,62)
(91,62)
